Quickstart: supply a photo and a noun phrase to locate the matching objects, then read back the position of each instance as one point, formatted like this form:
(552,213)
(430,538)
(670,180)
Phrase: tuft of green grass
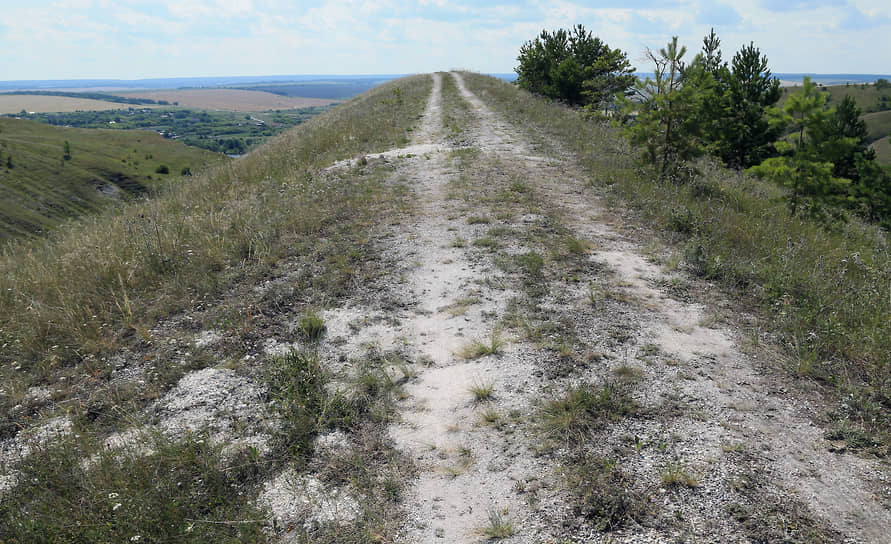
(576,246)
(583,409)
(478,349)
(626,372)
(500,525)
(297,383)
(312,327)
(490,416)
(677,475)
(482,391)
(486,241)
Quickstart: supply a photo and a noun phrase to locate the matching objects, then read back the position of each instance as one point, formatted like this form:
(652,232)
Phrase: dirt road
(718,449)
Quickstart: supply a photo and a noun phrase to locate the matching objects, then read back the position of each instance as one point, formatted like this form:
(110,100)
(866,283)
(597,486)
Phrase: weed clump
(500,525)
(584,409)
(297,385)
(605,495)
(482,391)
(478,349)
(312,327)
(677,475)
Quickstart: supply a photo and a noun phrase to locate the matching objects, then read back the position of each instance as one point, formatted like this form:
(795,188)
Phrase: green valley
(51,174)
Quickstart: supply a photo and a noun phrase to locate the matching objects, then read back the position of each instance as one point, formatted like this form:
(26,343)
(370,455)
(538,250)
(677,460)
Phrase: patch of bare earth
(468,471)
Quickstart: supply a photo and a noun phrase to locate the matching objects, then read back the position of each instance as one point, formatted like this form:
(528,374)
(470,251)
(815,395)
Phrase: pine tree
(747,133)
(845,122)
(801,166)
(664,108)
(708,76)
(574,66)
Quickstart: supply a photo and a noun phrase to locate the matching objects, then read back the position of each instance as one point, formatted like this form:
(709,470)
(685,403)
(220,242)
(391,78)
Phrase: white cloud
(193,9)
(157,38)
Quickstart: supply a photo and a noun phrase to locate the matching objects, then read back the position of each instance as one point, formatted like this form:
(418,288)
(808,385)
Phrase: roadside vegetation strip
(825,292)
(86,289)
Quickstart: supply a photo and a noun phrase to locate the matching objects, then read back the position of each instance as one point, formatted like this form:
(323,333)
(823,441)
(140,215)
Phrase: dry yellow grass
(230,99)
(39,104)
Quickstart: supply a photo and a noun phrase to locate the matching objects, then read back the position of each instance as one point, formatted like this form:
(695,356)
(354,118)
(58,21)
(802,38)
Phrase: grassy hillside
(67,302)
(883,151)
(68,297)
(868,97)
(879,124)
(39,187)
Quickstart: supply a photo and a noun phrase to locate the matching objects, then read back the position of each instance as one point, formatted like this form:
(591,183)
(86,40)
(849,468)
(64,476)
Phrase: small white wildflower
(135,538)
(113,495)
(116,506)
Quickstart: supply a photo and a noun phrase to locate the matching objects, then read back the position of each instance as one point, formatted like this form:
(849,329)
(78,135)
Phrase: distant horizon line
(365,75)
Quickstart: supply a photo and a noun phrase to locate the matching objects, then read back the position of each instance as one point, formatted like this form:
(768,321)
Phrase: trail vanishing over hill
(504,358)
(711,412)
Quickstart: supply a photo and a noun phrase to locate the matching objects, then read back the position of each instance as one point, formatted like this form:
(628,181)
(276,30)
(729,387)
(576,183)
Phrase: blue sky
(132,39)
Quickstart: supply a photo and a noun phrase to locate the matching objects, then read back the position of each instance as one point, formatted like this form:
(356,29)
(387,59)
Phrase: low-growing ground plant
(312,327)
(478,349)
(297,384)
(583,409)
(482,391)
(605,494)
(677,475)
(500,525)
(164,491)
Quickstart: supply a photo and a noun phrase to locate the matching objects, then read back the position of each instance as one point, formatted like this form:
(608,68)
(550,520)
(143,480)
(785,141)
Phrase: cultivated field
(39,104)
(230,99)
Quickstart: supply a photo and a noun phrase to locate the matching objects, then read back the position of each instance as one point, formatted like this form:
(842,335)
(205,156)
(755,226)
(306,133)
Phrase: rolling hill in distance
(49,175)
